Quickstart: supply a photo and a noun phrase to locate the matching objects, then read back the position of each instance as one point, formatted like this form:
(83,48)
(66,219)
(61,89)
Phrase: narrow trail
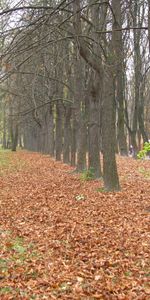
(62,238)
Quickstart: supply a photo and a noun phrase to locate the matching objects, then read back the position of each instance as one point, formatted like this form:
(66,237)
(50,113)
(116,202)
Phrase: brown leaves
(90,247)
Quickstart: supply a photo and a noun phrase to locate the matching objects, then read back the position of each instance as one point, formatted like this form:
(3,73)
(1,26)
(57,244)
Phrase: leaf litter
(64,238)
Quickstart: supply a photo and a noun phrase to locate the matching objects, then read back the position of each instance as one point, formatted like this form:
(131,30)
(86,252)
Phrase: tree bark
(117,43)
(67,135)
(149,23)
(51,132)
(93,124)
(81,133)
(73,140)
(4,141)
(111,180)
(59,131)
(14,137)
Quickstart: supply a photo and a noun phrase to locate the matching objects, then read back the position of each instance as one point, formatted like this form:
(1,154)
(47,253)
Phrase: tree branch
(122,29)
(26,112)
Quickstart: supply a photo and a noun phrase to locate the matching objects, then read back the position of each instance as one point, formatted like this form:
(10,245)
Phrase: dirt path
(62,238)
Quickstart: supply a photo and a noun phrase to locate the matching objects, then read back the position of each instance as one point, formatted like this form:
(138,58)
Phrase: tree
(111,180)
(118,50)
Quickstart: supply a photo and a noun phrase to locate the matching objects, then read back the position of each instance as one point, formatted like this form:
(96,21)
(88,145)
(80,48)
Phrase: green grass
(9,162)
(144,172)
(101,190)
(87,174)
(17,257)
(5,290)
(4,158)
(5,161)
(8,291)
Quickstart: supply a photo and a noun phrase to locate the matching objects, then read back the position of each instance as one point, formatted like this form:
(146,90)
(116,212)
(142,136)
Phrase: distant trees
(74,80)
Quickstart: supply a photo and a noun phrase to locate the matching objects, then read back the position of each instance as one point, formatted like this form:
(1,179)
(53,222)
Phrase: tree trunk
(4,140)
(73,140)
(149,23)
(81,148)
(67,135)
(138,77)
(117,43)
(59,130)
(51,132)
(14,137)
(80,114)
(94,108)
(111,181)
(141,117)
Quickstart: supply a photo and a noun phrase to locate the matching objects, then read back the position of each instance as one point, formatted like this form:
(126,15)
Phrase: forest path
(64,238)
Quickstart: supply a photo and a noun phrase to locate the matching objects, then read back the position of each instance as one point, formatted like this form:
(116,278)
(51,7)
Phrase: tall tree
(118,50)
(110,170)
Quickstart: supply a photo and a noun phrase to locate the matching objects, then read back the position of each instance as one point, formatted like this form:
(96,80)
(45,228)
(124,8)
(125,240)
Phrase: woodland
(74,149)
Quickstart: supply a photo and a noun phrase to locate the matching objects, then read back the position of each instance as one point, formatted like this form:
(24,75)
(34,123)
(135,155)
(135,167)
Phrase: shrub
(87,174)
(145,151)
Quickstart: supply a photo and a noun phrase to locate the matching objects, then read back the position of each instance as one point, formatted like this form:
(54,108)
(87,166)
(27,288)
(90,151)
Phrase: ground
(62,237)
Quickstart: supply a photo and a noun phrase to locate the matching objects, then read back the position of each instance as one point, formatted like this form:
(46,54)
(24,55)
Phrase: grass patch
(101,190)
(17,258)
(5,290)
(144,172)
(15,252)
(87,174)
(4,158)
(8,291)
(10,162)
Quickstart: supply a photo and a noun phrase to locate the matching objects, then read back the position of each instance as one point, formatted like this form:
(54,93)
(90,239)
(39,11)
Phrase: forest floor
(65,238)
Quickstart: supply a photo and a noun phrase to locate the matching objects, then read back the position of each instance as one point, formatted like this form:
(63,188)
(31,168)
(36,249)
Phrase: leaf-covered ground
(64,238)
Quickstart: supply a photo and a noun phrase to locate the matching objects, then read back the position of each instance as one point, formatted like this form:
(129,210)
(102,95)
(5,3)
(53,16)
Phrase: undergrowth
(87,174)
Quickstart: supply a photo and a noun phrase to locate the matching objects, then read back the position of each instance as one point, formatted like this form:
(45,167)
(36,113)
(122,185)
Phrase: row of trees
(74,80)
